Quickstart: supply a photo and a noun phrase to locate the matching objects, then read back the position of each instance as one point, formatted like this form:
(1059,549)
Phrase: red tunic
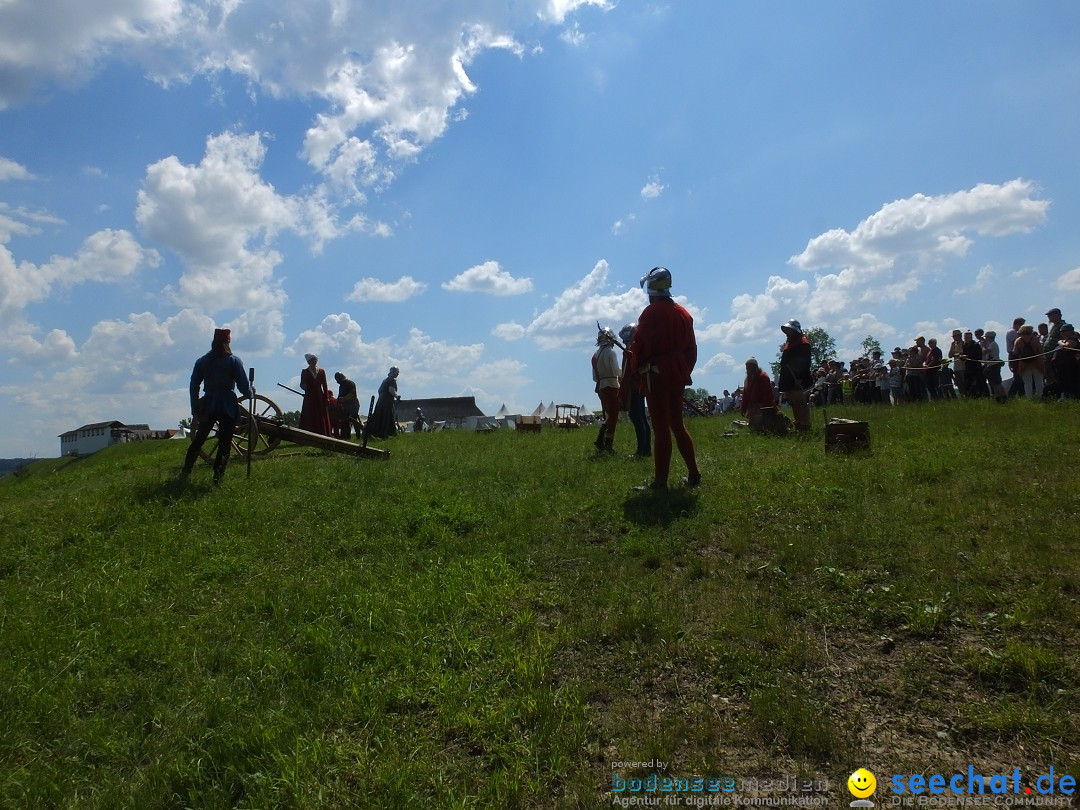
(758,394)
(664,343)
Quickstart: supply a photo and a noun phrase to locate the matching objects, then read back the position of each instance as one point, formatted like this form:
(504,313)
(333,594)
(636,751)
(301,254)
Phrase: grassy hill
(498,620)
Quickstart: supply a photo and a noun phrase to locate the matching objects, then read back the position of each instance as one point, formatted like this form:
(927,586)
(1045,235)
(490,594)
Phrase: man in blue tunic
(218,371)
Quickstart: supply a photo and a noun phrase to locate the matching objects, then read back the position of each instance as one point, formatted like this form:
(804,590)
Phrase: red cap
(222,335)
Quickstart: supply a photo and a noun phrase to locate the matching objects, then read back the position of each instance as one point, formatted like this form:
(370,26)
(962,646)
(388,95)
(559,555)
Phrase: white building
(90,438)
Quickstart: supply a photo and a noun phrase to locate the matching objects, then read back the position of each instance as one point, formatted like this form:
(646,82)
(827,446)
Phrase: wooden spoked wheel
(246,432)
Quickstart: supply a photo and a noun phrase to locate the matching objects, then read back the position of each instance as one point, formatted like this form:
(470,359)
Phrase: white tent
(549,411)
(540,409)
(503,411)
(480,423)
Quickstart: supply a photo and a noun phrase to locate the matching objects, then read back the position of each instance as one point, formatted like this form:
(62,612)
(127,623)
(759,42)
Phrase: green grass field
(498,620)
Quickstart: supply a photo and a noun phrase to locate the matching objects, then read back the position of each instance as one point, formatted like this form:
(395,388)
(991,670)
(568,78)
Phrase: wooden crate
(846,436)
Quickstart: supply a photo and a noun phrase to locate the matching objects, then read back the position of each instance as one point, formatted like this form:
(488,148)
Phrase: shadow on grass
(660,508)
(172,490)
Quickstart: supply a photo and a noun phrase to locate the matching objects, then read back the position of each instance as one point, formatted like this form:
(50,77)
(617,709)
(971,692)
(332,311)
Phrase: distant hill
(10,465)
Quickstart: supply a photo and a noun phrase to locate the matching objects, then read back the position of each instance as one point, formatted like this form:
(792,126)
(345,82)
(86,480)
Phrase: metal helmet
(605,337)
(793,325)
(626,334)
(657,282)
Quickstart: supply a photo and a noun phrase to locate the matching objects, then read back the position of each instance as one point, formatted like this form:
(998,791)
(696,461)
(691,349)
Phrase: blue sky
(463,189)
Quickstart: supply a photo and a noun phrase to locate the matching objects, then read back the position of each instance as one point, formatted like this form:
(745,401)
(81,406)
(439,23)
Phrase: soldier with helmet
(665,351)
(795,377)
(606,372)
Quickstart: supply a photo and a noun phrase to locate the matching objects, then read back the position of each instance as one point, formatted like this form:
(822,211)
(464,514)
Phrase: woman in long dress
(383,422)
(315,413)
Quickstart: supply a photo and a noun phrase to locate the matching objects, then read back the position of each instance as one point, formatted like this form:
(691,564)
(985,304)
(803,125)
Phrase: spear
(251,417)
(301,393)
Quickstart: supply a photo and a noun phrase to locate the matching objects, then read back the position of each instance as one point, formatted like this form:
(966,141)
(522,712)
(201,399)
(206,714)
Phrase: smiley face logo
(861,783)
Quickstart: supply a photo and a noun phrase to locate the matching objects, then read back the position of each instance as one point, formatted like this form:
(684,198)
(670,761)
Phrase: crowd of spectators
(1043,362)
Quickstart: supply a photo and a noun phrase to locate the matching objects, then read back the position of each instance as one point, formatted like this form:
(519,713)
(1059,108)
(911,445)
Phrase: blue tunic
(218,374)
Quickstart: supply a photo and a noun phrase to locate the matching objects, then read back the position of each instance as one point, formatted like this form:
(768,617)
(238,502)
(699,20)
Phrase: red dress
(315,413)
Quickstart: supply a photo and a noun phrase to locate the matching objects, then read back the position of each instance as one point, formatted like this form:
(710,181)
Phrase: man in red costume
(665,351)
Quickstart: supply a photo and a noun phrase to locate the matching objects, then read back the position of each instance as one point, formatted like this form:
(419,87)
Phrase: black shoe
(692,481)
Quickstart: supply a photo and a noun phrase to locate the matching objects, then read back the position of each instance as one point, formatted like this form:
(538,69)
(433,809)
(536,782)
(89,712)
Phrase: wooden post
(367,425)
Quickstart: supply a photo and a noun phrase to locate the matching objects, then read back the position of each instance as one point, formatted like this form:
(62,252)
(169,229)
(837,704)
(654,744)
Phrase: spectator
(1016,388)
(933,367)
(896,381)
(1049,347)
(992,364)
(945,380)
(1066,362)
(1027,349)
(956,355)
(974,378)
(915,378)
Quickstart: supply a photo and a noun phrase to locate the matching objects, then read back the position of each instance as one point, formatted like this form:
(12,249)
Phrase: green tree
(291,418)
(870,344)
(697,394)
(822,346)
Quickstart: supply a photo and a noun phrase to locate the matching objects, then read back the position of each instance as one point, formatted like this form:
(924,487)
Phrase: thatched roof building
(438,409)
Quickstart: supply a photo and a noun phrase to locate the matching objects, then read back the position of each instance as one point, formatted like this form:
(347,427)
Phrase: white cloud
(758,316)
(557,10)
(19,342)
(10,170)
(653,189)
(371,289)
(572,318)
(573,36)
(884,259)
(509,331)
(488,278)
(983,279)
(926,228)
(1069,281)
(719,363)
(220,217)
(390,73)
(620,224)
(339,344)
(104,257)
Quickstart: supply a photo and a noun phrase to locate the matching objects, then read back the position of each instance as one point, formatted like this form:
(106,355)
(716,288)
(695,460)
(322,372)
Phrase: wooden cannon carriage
(263,428)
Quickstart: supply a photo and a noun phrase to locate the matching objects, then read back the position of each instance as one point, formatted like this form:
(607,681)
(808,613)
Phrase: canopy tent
(539,410)
(503,411)
(549,411)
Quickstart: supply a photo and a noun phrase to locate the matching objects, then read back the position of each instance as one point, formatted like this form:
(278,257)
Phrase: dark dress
(315,413)
(383,422)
